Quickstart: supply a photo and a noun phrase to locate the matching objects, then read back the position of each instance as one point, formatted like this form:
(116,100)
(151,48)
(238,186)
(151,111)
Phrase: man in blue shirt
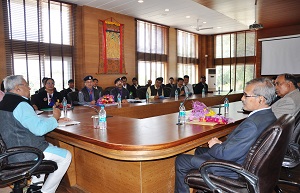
(23,127)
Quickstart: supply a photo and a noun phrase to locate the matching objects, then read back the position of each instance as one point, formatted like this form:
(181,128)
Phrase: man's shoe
(34,189)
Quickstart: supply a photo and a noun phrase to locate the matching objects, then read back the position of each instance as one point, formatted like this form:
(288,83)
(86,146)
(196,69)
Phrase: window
(234,59)
(187,55)
(39,40)
(152,49)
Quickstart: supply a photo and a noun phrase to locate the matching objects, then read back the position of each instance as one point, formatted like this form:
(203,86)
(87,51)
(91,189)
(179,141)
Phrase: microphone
(181,104)
(222,101)
(95,109)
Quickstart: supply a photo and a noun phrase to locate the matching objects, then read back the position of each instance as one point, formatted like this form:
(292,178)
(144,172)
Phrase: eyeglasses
(279,83)
(245,95)
(24,85)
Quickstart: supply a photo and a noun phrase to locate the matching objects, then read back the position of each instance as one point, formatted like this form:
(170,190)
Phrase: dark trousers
(184,163)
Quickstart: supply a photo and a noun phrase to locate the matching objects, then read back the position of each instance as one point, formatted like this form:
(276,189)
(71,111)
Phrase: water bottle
(182,113)
(226,105)
(102,118)
(203,92)
(176,95)
(119,100)
(65,108)
(130,95)
(147,97)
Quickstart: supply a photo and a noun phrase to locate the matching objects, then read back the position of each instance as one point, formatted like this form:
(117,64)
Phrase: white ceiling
(154,11)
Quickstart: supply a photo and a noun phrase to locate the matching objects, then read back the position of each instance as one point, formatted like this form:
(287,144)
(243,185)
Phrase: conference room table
(135,154)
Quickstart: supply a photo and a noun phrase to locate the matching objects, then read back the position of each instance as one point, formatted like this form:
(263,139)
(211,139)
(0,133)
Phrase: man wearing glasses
(258,95)
(23,127)
(286,88)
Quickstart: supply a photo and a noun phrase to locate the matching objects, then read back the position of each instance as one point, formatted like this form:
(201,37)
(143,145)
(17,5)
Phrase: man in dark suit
(258,95)
(179,87)
(171,83)
(119,89)
(198,88)
(71,88)
(134,87)
(88,94)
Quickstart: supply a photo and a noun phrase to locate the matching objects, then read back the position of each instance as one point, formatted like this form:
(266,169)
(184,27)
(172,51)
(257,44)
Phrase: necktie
(91,95)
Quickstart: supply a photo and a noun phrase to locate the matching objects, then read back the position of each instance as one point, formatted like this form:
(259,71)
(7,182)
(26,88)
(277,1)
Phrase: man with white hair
(22,127)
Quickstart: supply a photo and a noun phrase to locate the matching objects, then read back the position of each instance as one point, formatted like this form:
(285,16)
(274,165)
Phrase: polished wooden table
(132,155)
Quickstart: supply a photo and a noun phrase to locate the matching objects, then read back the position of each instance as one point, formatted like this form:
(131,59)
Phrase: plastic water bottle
(102,118)
(182,113)
(176,95)
(147,97)
(65,108)
(203,92)
(119,100)
(226,105)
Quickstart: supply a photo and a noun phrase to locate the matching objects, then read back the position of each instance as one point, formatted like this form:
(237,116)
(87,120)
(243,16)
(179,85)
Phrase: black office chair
(167,91)
(107,90)
(18,173)
(141,92)
(292,158)
(260,170)
(72,98)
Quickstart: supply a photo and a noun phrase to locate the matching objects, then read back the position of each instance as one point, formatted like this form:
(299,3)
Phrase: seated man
(171,83)
(258,95)
(23,127)
(198,88)
(70,89)
(156,90)
(134,87)
(96,81)
(125,84)
(88,94)
(119,89)
(287,89)
(179,87)
(149,83)
(188,88)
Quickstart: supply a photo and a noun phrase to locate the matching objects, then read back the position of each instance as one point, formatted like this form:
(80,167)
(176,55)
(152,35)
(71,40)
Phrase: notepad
(68,123)
(196,122)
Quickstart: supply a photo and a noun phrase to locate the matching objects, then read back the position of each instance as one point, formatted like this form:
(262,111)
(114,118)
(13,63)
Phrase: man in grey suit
(287,88)
(258,95)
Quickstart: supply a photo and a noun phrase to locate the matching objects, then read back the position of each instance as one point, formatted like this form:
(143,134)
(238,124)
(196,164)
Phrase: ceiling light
(140,1)
(187,16)
(204,22)
(219,27)
(167,9)
(255,26)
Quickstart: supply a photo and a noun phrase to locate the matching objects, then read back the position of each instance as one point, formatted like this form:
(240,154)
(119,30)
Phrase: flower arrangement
(106,99)
(200,110)
(202,113)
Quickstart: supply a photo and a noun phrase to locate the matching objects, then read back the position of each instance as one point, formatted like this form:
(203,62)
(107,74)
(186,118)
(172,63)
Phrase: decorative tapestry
(111,47)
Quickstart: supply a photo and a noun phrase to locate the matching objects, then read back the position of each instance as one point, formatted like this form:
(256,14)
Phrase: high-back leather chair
(19,173)
(292,157)
(72,98)
(141,92)
(167,91)
(260,170)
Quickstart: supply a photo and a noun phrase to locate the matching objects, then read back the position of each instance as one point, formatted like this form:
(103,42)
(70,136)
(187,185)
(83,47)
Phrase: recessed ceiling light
(187,16)
(167,9)
(219,27)
(204,22)
(140,1)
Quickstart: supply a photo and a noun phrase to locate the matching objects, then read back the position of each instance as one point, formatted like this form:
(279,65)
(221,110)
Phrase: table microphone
(96,110)
(223,100)
(181,104)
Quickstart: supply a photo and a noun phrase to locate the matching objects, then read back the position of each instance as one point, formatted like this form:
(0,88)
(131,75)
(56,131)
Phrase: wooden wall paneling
(172,60)
(90,45)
